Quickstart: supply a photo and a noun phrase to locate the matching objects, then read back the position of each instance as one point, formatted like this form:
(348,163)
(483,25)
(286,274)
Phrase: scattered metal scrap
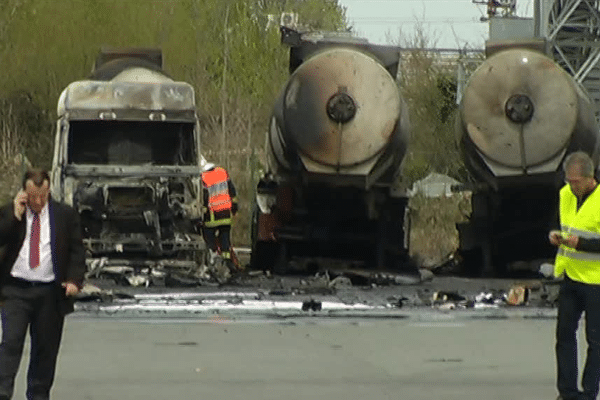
(287,293)
(91,293)
(449,265)
(365,277)
(532,293)
(162,273)
(311,305)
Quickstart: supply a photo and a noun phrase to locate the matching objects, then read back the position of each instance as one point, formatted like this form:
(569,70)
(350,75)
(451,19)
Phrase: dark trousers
(36,308)
(218,238)
(575,298)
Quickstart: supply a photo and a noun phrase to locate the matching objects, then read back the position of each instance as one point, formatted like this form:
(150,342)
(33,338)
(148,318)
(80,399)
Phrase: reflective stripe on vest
(580,233)
(218,190)
(578,255)
(212,222)
(579,265)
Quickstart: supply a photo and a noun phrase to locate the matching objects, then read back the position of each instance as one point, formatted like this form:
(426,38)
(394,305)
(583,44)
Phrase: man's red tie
(34,243)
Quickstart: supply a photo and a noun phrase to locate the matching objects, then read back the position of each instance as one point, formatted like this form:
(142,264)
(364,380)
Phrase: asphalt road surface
(411,358)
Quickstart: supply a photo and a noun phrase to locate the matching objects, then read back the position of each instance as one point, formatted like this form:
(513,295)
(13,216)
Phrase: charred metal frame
(138,198)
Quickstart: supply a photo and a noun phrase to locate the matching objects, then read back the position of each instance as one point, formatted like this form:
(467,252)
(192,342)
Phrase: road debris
(426,275)
(447,306)
(445,300)
(340,282)
(397,302)
(443,297)
(366,277)
(311,304)
(448,265)
(307,292)
(547,270)
(494,297)
(92,293)
(517,295)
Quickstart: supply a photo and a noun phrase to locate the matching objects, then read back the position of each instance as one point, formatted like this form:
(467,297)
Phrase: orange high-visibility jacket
(215,181)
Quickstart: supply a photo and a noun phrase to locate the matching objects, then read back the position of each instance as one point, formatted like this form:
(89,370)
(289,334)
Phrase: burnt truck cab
(126,157)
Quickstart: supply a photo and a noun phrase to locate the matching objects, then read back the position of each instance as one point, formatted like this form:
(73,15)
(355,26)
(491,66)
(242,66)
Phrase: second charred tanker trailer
(520,115)
(336,142)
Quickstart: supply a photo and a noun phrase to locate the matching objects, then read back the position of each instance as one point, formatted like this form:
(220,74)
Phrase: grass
(433,233)
(12,174)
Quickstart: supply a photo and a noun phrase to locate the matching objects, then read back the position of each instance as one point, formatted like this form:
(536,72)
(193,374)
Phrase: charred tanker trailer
(520,115)
(336,141)
(127,158)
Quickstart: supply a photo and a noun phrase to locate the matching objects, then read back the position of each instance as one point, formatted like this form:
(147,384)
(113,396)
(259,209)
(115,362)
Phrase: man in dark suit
(41,270)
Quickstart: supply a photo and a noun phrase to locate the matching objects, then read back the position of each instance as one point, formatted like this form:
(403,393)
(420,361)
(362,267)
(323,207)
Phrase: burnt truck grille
(130,197)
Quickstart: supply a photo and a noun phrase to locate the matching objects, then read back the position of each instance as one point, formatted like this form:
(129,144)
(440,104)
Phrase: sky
(446,23)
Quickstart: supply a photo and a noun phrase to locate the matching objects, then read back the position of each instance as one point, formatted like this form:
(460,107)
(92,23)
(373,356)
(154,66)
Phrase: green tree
(429,86)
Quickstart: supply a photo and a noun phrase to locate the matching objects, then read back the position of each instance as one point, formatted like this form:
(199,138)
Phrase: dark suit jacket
(68,255)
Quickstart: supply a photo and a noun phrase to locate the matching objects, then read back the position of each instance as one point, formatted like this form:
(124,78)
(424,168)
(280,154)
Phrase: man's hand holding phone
(20,203)
(557,238)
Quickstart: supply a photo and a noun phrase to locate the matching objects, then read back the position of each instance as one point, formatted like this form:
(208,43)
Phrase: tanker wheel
(262,252)
(264,256)
(281,259)
(390,252)
(256,251)
(479,262)
(472,262)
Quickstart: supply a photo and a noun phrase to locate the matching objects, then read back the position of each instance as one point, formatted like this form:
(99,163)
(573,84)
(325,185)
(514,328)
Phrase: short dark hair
(37,176)
(582,161)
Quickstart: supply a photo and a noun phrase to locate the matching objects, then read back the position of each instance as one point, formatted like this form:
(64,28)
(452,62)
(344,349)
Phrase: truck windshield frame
(131,143)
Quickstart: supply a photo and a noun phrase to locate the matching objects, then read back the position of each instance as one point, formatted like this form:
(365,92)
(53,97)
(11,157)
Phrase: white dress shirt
(44,272)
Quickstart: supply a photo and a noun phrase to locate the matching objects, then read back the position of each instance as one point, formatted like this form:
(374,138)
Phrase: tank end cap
(519,108)
(341,107)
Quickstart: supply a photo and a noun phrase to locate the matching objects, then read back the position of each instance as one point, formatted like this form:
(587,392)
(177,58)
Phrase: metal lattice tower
(573,31)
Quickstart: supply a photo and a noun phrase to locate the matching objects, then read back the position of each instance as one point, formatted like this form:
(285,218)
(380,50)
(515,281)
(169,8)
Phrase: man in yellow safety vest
(578,262)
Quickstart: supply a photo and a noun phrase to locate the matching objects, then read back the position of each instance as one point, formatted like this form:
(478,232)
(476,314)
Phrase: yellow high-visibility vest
(579,265)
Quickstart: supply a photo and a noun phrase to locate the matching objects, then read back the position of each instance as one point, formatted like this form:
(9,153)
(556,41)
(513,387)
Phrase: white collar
(42,213)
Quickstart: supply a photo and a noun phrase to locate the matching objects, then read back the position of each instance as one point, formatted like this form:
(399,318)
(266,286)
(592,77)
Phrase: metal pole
(537,15)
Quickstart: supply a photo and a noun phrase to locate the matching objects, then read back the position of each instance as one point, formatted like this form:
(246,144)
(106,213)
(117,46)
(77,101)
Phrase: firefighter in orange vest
(220,205)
